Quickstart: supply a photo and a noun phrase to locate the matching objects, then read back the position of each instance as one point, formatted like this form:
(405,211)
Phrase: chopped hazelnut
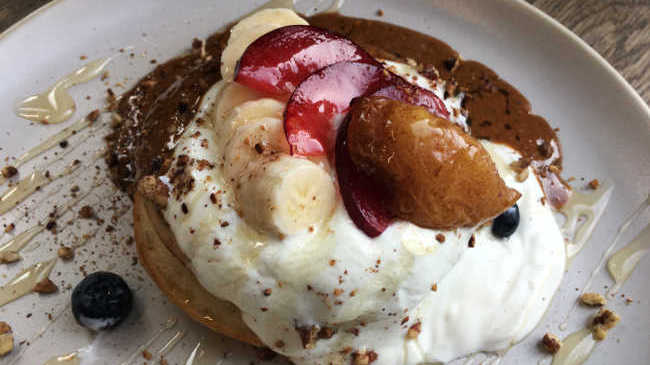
(326,333)
(45,286)
(380,12)
(606,318)
(9,171)
(364,357)
(604,321)
(147,355)
(93,115)
(66,253)
(594,184)
(551,343)
(154,189)
(86,212)
(308,336)
(593,299)
(434,287)
(10,227)
(440,237)
(414,331)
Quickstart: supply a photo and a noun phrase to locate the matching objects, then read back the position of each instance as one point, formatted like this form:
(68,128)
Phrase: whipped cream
(366,293)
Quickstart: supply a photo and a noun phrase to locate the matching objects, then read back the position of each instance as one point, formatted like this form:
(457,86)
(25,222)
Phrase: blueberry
(506,224)
(101,300)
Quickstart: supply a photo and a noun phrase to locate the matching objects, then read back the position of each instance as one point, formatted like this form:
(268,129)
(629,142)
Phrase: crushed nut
(10,227)
(93,115)
(65,253)
(326,333)
(86,212)
(147,355)
(440,237)
(308,336)
(551,343)
(45,286)
(414,331)
(604,321)
(9,171)
(154,189)
(364,357)
(594,184)
(593,299)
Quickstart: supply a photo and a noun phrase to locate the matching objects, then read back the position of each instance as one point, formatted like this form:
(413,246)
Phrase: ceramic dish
(604,126)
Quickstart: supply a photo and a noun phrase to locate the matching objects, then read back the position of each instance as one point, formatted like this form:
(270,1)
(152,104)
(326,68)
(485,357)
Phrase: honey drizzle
(56,105)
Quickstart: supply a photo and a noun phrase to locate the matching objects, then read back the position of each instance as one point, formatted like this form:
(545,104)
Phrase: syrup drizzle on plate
(56,105)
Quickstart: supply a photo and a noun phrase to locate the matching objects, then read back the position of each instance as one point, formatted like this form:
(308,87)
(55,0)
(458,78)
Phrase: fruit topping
(248,30)
(278,61)
(506,224)
(320,101)
(101,300)
(364,201)
(437,176)
(309,119)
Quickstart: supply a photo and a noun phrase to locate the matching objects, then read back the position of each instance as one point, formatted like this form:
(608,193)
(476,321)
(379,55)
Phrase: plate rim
(521,4)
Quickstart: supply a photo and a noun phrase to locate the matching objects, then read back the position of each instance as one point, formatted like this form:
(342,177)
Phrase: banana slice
(251,28)
(232,95)
(284,194)
(252,141)
(239,105)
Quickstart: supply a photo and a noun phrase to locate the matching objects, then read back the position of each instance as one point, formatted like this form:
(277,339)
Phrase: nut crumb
(551,343)
(604,320)
(154,189)
(65,253)
(10,227)
(146,354)
(593,299)
(414,331)
(594,184)
(45,286)
(440,237)
(9,171)
(434,287)
(86,212)
(364,357)
(380,12)
(93,115)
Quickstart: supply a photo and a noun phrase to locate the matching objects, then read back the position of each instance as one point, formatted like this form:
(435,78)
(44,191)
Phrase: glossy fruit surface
(506,224)
(310,119)
(101,300)
(364,201)
(279,60)
(435,175)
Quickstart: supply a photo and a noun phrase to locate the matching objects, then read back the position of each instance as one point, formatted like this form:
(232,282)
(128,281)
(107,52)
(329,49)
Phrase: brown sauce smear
(157,108)
(154,111)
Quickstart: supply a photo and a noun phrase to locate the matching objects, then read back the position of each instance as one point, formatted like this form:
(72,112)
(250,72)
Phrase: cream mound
(268,232)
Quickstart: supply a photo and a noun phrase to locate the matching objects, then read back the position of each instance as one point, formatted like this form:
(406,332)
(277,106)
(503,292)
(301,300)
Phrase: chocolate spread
(163,102)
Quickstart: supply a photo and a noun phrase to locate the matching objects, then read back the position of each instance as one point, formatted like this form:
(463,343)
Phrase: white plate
(604,127)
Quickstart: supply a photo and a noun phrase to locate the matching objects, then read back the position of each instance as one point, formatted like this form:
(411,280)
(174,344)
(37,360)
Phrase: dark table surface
(618,30)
